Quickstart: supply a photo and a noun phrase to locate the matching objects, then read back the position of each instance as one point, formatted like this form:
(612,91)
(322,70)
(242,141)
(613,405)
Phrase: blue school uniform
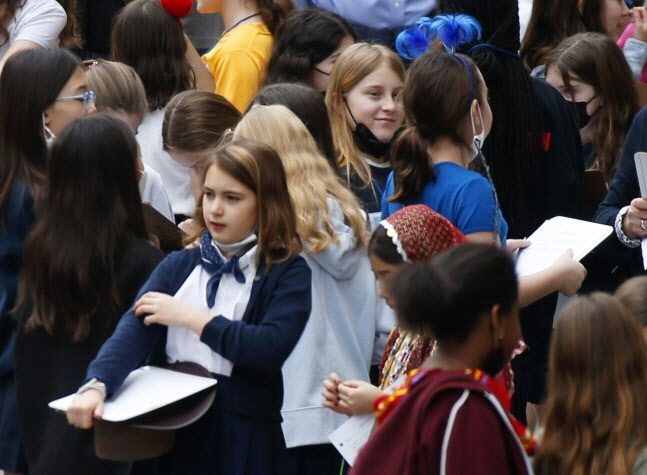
(464,197)
(241,433)
(17,220)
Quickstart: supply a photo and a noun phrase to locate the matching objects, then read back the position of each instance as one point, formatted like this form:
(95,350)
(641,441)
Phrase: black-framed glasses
(89,99)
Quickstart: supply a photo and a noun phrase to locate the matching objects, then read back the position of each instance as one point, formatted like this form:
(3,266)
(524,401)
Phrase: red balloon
(178,8)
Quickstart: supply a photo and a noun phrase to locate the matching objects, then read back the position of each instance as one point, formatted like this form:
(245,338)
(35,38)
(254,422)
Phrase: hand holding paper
(571,273)
(85,408)
(554,237)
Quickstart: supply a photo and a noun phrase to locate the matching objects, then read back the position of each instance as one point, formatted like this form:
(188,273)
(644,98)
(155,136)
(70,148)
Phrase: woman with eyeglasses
(41,92)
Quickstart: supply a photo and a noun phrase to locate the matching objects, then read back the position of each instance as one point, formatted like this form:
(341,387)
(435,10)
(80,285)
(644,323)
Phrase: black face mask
(494,362)
(582,117)
(366,141)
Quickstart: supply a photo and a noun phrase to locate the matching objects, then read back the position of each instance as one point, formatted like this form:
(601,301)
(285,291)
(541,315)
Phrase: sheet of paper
(640,158)
(144,390)
(351,436)
(643,248)
(554,237)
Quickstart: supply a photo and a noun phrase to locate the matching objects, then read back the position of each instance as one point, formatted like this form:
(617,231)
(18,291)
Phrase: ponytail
(412,167)
(273,12)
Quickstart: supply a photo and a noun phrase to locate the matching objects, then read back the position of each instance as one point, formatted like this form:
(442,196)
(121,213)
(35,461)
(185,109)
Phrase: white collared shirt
(231,301)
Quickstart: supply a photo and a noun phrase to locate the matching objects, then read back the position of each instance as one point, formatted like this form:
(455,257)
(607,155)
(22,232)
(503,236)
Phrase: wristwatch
(624,239)
(94,383)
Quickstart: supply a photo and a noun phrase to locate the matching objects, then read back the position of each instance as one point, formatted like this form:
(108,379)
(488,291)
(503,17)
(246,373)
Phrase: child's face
(321,71)
(61,113)
(132,120)
(615,16)
(382,271)
(229,207)
(376,102)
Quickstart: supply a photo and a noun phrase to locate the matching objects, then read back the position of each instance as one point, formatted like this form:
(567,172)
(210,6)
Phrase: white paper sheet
(144,390)
(351,436)
(640,159)
(554,237)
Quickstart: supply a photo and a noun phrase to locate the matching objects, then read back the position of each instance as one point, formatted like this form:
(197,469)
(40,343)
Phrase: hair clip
(177,8)
(89,63)
(229,133)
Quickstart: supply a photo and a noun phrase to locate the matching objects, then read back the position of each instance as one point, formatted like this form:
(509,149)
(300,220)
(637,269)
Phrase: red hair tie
(177,8)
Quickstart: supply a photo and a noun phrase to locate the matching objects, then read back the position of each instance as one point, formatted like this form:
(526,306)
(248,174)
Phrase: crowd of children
(348,213)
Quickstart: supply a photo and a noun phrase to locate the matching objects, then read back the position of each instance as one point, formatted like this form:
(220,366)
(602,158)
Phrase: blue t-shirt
(464,197)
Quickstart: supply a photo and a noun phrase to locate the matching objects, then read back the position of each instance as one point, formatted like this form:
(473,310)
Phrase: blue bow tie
(213,263)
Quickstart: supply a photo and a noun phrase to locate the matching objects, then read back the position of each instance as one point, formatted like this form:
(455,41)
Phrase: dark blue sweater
(278,309)
(623,189)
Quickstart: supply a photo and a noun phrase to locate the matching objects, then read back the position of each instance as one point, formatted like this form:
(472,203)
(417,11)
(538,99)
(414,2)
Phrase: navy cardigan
(277,312)
(623,189)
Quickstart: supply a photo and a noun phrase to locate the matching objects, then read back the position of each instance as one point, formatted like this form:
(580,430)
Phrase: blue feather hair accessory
(452,30)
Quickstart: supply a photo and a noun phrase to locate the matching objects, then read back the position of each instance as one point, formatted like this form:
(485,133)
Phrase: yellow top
(238,62)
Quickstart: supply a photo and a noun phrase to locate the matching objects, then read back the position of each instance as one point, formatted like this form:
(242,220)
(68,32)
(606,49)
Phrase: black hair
(447,297)
(148,39)
(383,248)
(92,207)
(305,39)
(513,148)
(30,82)
(309,106)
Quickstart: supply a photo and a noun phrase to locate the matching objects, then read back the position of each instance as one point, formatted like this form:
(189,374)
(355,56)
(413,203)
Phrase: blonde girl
(345,326)
(121,94)
(237,305)
(365,108)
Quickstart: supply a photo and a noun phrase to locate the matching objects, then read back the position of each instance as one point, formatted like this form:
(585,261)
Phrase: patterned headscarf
(419,233)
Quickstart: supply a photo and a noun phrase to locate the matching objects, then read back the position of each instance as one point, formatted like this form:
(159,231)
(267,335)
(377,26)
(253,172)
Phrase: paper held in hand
(144,390)
(554,237)
(641,172)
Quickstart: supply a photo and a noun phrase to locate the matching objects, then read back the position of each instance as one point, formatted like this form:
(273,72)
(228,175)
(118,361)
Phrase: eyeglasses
(89,99)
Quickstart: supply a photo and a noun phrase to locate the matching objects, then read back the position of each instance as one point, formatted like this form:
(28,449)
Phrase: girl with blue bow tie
(237,305)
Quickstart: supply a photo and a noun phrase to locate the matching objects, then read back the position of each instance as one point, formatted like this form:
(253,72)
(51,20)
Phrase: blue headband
(469,73)
(495,48)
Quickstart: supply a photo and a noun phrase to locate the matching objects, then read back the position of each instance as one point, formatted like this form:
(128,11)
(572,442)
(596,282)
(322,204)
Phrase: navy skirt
(224,443)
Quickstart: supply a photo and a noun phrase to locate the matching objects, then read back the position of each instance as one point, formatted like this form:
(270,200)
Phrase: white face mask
(477,143)
(49,135)
(235,247)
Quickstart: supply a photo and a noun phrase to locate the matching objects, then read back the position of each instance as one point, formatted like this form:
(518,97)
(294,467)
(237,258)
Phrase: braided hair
(514,146)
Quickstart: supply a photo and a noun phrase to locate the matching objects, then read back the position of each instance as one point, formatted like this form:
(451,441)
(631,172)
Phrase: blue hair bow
(452,30)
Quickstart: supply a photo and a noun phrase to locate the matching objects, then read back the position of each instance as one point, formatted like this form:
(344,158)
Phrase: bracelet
(94,383)
(624,239)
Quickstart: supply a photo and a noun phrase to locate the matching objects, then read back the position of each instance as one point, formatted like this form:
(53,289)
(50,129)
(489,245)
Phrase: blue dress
(17,220)
(464,197)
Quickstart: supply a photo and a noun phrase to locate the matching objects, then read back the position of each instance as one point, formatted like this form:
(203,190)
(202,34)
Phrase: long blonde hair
(310,179)
(354,64)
